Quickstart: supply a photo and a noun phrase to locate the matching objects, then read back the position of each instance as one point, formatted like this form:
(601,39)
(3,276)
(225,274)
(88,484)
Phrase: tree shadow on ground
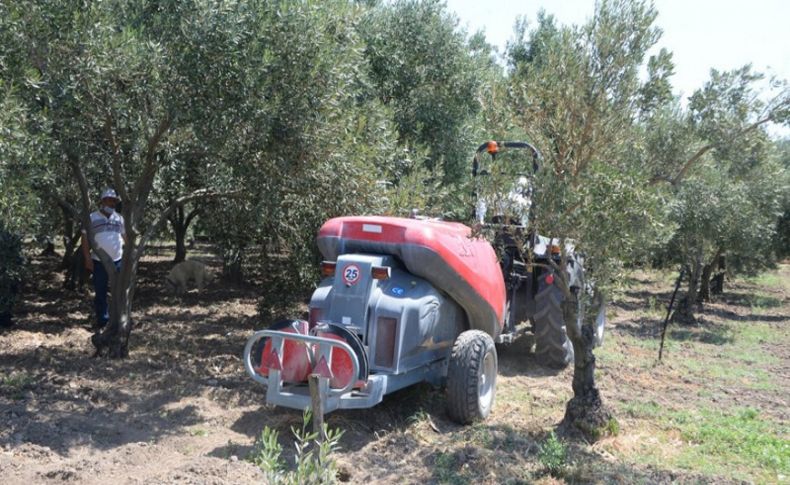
(750,299)
(53,395)
(518,359)
(587,466)
(643,300)
(725,314)
(73,407)
(704,331)
(46,307)
(641,328)
(483,449)
(389,421)
(397,413)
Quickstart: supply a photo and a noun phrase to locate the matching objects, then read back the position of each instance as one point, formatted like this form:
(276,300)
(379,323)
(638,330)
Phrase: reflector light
(380,272)
(322,369)
(272,361)
(314,316)
(550,279)
(386,330)
(328,269)
(493,147)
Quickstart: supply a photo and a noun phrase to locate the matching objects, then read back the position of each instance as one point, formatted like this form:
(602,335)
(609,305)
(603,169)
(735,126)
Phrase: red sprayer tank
(444,253)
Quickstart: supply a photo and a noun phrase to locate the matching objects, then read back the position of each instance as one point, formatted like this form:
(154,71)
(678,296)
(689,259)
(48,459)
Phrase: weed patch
(734,438)
(313,460)
(198,432)
(770,280)
(553,455)
(14,383)
(735,443)
(447,469)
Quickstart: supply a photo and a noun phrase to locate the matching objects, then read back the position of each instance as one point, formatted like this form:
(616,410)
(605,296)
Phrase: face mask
(108,211)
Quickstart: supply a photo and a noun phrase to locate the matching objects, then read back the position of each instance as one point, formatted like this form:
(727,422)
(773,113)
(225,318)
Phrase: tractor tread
(552,345)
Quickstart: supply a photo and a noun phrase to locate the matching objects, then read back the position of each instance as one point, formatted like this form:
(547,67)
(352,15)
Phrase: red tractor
(403,301)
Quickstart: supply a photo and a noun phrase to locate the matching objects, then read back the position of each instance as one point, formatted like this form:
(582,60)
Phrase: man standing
(109,235)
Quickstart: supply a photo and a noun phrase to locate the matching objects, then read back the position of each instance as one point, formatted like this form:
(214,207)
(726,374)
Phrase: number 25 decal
(351,274)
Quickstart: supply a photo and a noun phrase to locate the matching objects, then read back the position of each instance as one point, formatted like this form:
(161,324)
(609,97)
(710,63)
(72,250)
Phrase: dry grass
(181,407)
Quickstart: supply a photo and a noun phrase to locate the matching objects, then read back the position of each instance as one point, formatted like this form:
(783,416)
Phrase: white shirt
(109,232)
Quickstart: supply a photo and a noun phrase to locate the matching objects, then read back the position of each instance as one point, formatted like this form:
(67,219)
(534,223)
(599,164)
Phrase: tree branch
(66,206)
(200,194)
(117,170)
(143,185)
(73,161)
(705,149)
(191,216)
(82,182)
(690,163)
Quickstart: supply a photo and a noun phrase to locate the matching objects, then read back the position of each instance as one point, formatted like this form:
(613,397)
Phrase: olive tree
(316,150)
(577,93)
(718,214)
(115,82)
(721,174)
(429,74)
(17,201)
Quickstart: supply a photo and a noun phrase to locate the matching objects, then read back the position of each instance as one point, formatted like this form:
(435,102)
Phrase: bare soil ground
(180,409)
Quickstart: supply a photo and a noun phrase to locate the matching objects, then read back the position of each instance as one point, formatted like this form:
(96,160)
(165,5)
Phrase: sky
(702,34)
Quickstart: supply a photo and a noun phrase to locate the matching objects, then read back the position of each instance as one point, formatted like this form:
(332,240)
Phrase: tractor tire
(471,377)
(553,348)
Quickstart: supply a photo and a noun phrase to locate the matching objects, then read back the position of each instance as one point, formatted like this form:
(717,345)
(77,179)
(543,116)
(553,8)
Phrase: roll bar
(494,147)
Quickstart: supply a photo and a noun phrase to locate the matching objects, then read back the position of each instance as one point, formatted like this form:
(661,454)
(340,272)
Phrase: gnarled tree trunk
(687,305)
(704,284)
(232,260)
(706,279)
(717,282)
(180,222)
(114,337)
(585,413)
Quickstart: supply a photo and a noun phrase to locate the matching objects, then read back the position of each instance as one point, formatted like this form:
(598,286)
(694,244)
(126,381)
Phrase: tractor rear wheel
(471,377)
(553,348)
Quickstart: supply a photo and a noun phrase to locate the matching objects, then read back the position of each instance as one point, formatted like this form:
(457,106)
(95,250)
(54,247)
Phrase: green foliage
(727,196)
(553,455)
(266,455)
(446,469)
(781,241)
(425,70)
(20,210)
(311,110)
(313,463)
(11,271)
(15,383)
(313,149)
(657,91)
(576,91)
(738,437)
(612,427)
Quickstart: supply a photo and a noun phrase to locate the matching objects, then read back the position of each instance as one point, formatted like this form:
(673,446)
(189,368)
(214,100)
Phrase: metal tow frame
(290,396)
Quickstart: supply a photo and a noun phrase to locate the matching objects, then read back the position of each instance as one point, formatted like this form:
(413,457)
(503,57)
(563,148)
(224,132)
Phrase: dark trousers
(101,283)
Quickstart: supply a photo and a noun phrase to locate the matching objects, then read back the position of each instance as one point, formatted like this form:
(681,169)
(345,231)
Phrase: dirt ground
(180,409)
